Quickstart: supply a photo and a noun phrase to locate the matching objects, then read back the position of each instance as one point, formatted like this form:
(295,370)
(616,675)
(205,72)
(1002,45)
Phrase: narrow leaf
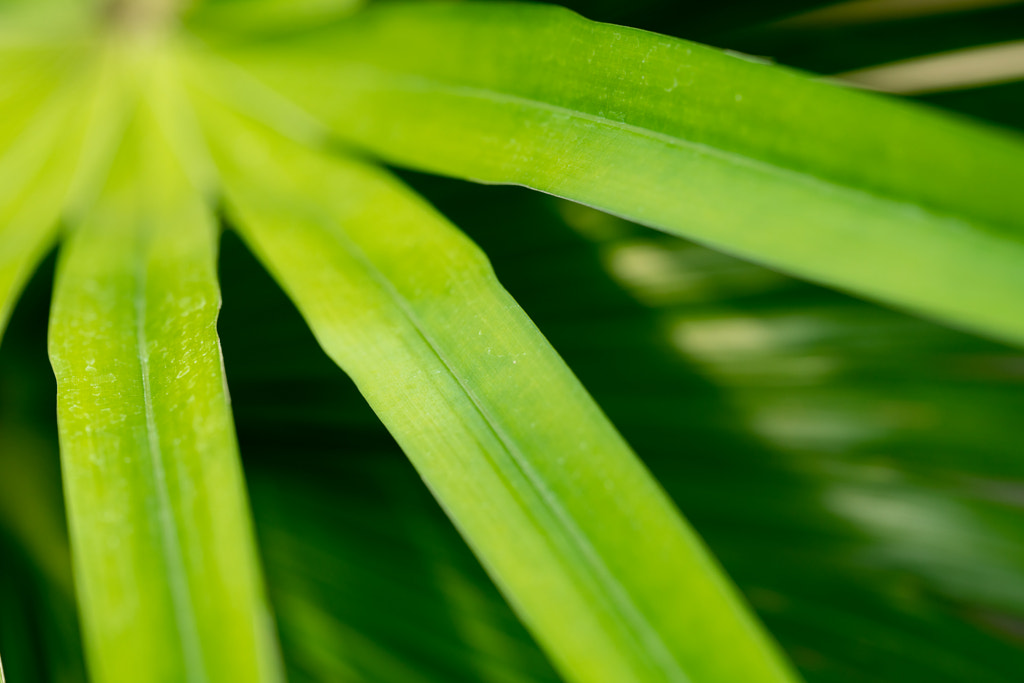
(886,199)
(165,563)
(580,538)
(35,167)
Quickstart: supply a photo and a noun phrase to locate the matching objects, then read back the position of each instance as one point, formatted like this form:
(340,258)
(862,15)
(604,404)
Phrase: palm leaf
(856,470)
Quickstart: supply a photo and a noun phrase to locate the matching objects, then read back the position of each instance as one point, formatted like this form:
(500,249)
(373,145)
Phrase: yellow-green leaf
(165,563)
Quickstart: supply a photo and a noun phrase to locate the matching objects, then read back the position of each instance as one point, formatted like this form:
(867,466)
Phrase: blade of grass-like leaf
(883,198)
(578,535)
(27,229)
(41,138)
(350,532)
(165,562)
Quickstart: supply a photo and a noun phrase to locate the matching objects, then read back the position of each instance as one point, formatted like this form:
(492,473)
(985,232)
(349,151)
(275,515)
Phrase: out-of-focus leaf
(166,570)
(974,67)
(44,22)
(885,199)
(39,145)
(374,584)
(571,527)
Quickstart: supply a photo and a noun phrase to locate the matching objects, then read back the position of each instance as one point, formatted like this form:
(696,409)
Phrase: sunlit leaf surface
(743,156)
(164,558)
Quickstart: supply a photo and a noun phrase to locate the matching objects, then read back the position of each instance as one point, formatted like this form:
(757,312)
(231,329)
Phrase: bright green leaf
(581,539)
(888,200)
(165,563)
(38,98)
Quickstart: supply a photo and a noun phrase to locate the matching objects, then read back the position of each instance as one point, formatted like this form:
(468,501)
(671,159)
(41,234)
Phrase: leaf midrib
(173,561)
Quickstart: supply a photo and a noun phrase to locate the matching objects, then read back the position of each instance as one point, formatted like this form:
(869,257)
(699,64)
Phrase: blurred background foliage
(859,472)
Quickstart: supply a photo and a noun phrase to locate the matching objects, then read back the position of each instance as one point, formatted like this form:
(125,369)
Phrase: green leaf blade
(758,161)
(580,538)
(165,561)
(38,101)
